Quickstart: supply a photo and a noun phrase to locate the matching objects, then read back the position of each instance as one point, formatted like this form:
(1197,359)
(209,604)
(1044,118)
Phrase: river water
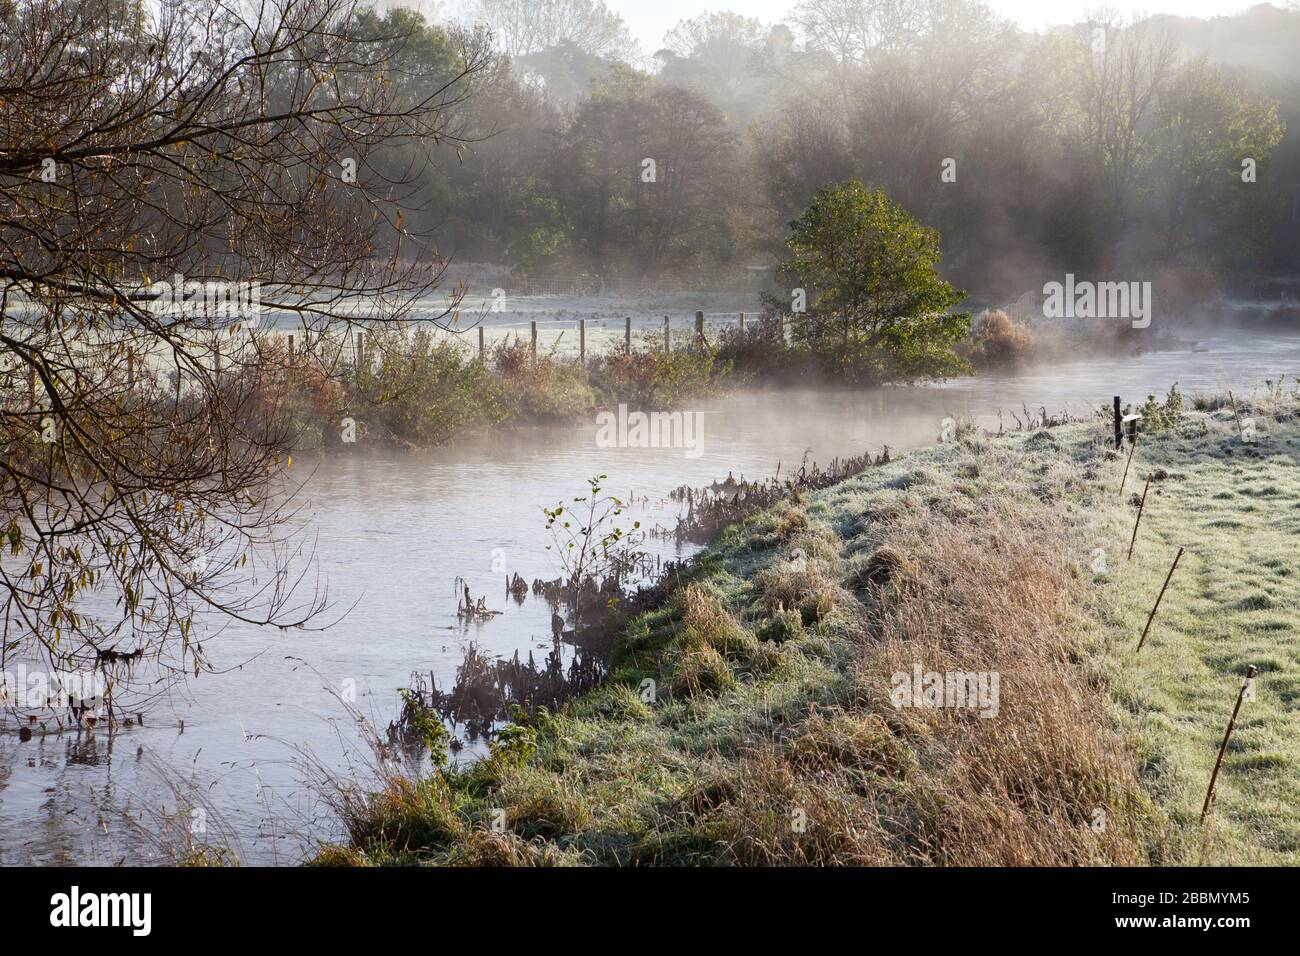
(392,532)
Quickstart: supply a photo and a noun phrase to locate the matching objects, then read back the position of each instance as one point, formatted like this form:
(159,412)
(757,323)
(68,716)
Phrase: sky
(649,20)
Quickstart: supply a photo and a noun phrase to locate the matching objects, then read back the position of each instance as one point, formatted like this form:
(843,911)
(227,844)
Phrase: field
(1235,506)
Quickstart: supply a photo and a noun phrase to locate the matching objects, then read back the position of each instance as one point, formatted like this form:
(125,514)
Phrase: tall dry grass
(1048,781)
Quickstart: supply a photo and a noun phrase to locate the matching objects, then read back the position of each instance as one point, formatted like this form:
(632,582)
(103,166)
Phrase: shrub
(422,391)
(651,378)
(1161,416)
(997,342)
(539,390)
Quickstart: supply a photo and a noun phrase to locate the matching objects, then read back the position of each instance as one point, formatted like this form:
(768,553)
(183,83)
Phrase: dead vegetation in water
(487,691)
(711,509)
(467,608)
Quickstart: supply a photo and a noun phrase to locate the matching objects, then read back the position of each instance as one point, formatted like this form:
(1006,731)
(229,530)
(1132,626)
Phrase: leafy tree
(1119,83)
(624,219)
(722,56)
(497,200)
(1206,125)
(877,307)
(565,71)
(538,230)
(798,150)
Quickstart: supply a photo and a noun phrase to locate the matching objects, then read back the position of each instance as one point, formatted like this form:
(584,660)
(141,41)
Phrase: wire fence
(585,337)
(595,286)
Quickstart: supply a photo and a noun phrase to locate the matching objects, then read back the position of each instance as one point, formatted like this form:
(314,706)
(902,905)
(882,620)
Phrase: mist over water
(392,532)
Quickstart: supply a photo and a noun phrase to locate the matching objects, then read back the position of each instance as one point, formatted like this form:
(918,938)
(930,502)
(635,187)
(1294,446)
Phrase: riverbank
(419,390)
(780,725)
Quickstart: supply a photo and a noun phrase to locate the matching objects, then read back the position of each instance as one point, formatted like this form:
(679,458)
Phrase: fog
(1032,153)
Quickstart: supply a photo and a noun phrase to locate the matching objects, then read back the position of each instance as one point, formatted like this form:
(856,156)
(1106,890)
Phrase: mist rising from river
(393,531)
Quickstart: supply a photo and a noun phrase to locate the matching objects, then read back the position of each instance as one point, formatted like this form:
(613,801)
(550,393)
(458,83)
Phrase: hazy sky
(649,20)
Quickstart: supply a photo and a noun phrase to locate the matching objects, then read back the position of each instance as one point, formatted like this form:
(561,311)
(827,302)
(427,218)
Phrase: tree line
(1095,147)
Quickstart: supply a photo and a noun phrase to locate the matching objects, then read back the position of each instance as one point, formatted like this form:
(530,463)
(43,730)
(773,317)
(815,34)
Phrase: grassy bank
(774,732)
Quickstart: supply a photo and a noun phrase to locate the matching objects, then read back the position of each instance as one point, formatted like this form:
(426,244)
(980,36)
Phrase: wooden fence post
(1152,616)
(1142,504)
(582,341)
(1251,671)
(1119,428)
(742,323)
(482,345)
(699,328)
(668,335)
(1123,481)
(533,324)
(291,350)
(627,334)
